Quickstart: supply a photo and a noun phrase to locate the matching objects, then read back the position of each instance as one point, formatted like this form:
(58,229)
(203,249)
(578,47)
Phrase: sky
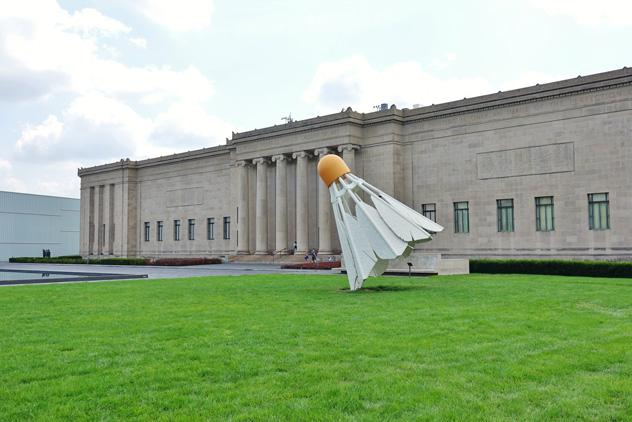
(88,82)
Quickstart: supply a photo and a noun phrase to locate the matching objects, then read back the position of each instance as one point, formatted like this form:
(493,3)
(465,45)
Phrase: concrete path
(166,272)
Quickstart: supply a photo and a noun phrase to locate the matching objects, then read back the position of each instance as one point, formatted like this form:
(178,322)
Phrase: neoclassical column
(261,220)
(301,158)
(281,203)
(324,212)
(243,231)
(348,154)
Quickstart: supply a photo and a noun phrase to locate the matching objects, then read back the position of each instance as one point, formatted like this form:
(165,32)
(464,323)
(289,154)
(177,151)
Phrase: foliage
(52,260)
(185,261)
(280,347)
(324,265)
(77,259)
(552,267)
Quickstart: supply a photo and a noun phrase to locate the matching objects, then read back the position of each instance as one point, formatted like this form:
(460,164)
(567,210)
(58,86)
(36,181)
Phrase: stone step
(276,259)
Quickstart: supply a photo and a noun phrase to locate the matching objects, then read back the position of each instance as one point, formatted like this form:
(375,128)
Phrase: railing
(278,252)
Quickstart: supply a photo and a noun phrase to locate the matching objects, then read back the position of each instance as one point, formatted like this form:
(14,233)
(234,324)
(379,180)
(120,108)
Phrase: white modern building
(30,223)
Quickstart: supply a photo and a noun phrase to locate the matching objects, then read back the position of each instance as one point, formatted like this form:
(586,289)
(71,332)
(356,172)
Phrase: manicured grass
(478,347)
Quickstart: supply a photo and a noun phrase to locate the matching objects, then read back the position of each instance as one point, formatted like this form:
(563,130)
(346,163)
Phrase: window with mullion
(191,230)
(226,227)
(429,211)
(505,215)
(544,214)
(598,211)
(176,229)
(210,228)
(159,231)
(461,217)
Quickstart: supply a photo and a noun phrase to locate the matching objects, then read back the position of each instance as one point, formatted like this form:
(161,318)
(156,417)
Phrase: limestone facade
(564,140)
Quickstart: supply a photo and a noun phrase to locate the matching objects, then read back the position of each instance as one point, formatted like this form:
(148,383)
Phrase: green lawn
(479,347)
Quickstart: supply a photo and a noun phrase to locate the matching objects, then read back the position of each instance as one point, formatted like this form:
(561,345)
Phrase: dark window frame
(429,211)
(176,230)
(226,228)
(159,230)
(210,228)
(505,215)
(595,205)
(547,208)
(147,230)
(191,229)
(461,217)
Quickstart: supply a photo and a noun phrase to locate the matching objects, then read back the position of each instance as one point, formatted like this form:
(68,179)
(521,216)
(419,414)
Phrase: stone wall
(565,139)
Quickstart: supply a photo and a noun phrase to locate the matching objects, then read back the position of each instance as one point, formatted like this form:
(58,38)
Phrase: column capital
(260,161)
(322,151)
(301,154)
(242,163)
(279,157)
(348,147)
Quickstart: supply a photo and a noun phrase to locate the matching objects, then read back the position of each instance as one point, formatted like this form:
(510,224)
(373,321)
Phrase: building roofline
(134,164)
(536,92)
(39,194)
(501,98)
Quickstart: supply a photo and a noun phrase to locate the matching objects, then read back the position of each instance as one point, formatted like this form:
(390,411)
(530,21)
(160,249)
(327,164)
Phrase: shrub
(119,261)
(552,267)
(325,265)
(54,260)
(185,261)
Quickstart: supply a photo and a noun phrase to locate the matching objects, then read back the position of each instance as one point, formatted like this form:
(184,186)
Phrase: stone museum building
(542,171)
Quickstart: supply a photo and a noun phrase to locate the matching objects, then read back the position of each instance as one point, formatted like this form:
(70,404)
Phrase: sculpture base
(425,264)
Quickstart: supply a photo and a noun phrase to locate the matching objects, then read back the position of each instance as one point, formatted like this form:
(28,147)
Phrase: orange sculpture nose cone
(331,167)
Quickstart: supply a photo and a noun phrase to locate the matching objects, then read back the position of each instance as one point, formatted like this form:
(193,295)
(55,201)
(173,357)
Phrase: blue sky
(88,82)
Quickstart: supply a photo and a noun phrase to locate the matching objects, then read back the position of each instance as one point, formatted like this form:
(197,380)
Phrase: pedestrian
(295,247)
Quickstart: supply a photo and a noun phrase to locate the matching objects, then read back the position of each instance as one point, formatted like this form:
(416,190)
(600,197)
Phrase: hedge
(76,259)
(552,267)
(185,261)
(324,265)
(54,260)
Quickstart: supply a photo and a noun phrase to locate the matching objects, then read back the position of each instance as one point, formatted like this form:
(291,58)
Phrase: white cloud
(91,21)
(139,42)
(613,13)
(355,82)
(39,138)
(182,15)
(186,125)
(45,50)
(93,127)
(8,182)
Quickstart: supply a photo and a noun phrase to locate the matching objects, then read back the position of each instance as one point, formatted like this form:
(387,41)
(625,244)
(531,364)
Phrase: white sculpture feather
(373,233)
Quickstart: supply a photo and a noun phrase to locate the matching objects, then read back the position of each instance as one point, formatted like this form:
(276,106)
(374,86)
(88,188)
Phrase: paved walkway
(165,272)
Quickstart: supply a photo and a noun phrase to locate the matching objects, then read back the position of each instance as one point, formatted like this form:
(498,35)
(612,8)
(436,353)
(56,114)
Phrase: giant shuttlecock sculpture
(372,233)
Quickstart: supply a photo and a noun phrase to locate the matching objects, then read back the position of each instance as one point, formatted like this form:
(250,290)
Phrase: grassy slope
(261,347)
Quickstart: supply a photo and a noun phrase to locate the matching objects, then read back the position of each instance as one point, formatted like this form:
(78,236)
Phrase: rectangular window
(461,217)
(544,215)
(598,211)
(429,211)
(210,228)
(147,228)
(159,231)
(191,230)
(505,211)
(226,227)
(176,229)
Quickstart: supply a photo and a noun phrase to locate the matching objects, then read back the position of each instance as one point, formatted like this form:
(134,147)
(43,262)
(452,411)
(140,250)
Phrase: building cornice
(167,159)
